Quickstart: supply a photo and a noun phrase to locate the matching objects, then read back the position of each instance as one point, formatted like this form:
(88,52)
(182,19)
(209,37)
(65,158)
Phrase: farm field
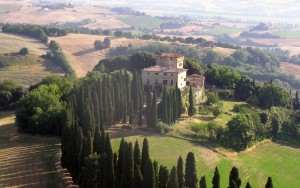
(291,68)
(26,161)
(267,159)
(142,21)
(101,17)
(223,30)
(27,70)
(10,43)
(80,51)
(287,34)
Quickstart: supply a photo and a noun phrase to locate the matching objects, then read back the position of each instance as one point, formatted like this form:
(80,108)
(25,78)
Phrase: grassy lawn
(223,30)
(288,34)
(142,21)
(279,162)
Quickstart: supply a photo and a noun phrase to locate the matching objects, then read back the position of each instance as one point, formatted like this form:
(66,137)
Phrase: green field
(287,34)
(223,30)
(142,21)
(270,159)
(9,8)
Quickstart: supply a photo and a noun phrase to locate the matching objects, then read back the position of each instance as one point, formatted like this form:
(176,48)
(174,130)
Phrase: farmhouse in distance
(169,72)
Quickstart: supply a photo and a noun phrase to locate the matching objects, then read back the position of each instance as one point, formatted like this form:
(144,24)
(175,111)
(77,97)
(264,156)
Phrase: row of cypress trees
(170,107)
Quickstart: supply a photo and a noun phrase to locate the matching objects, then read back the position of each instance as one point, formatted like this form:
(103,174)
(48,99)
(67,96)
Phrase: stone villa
(168,71)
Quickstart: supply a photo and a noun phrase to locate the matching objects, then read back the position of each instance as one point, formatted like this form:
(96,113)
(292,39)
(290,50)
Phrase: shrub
(225,94)
(163,128)
(24,51)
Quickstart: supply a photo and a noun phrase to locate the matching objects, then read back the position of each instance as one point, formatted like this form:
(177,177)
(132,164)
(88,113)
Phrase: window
(193,84)
(148,73)
(156,73)
(180,64)
(165,82)
(171,58)
(156,81)
(160,57)
(172,74)
(171,82)
(166,74)
(147,81)
(188,83)
(184,79)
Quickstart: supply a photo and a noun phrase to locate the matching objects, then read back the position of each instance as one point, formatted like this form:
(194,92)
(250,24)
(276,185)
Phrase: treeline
(170,107)
(42,110)
(59,58)
(267,35)
(10,93)
(39,32)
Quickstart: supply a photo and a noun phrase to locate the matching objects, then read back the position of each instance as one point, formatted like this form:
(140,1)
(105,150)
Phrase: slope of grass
(13,43)
(270,159)
(142,21)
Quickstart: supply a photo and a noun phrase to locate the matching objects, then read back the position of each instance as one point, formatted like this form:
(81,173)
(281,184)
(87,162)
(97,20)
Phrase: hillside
(80,51)
(26,70)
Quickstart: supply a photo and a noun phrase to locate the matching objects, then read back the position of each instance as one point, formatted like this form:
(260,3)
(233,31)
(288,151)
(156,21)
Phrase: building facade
(197,83)
(168,71)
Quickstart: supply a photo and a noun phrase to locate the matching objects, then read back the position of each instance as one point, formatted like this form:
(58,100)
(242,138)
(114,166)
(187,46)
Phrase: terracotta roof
(195,75)
(171,54)
(157,68)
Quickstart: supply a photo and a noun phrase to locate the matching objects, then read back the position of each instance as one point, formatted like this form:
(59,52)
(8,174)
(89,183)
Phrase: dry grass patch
(290,68)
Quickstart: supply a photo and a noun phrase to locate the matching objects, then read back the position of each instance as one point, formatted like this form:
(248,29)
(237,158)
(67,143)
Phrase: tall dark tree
(191,180)
(120,160)
(216,179)
(191,110)
(234,179)
(163,177)
(180,174)
(149,176)
(154,110)
(109,175)
(128,166)
(137,154)
(137,178)
(173,180)
(248,185)
(156,171)
(149,108)
(269,183)
(145,154)
(203,182)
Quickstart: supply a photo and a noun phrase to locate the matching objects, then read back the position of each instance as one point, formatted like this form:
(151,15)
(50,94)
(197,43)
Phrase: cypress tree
(145,154)
(164,105)
(149,176)
(203,182)
(216,179)
(234,179)
(180,173)
(130,113)
(179,102)
(191,110)
(109,174)
(154,110)
(190,171)
(120,160)
(173,180)
(149,108)
(97,141)
(269,183)
(134,91)
(163,177)
(140,120)
(156,171)
(128,169)
(138,178)
(137,154)
(248,185)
